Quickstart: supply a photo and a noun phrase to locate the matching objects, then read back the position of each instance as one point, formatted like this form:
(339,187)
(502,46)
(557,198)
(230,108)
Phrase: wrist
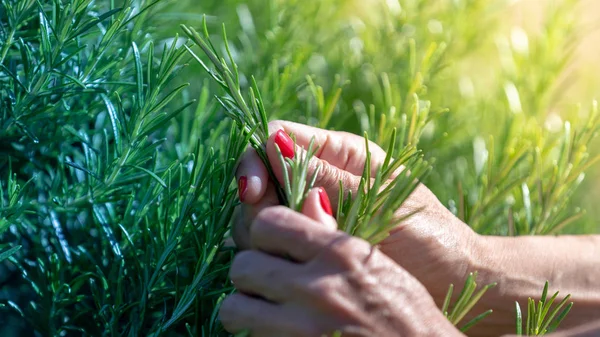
(486,257)
(463,255)
(521,265)
(489,261)
(483,256)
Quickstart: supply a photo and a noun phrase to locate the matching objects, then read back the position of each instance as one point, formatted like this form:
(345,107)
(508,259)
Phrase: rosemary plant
(12,206)
(116,186)
(542,318)
(251,118)
(113,222)
(465,302)
(370,214)
(296,181)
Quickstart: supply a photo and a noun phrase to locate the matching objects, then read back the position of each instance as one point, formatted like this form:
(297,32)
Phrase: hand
(433,245)
(330,282)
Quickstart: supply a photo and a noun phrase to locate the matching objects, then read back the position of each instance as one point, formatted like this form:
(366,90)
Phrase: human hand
(331,282)
(432,245)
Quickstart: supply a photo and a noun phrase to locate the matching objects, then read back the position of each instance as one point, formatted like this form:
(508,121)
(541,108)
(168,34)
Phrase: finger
(240,312)
(252,177)
(343,150)
(281,231)
(328,176)
(256,273)
(245,214)
(318,207)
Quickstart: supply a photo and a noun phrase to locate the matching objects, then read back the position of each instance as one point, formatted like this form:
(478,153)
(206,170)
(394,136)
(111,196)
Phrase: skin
(412,267)
(302,277)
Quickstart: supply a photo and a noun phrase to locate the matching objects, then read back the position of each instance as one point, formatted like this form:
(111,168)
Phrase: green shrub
(117,176)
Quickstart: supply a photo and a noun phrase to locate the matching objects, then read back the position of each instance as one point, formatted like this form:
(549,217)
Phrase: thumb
(328,177)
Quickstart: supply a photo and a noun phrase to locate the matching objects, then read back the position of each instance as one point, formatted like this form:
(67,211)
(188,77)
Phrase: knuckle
(282,223)
(357,145)
(321,289)
(264,221)
(329,176)
(269,213)
(241,266)
(347,252)
(261,332)
(376,150)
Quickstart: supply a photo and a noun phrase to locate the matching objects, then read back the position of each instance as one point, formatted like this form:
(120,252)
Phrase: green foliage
(465,302)
(519,167)
(118,220)
(370,214)
(540,319)
(11,207)
(118,188)
(250,118)
(296,181)
(530,182)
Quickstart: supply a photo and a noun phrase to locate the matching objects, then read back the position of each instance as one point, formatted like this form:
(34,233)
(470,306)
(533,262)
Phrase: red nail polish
(242,185)
(285,143)
(324,199)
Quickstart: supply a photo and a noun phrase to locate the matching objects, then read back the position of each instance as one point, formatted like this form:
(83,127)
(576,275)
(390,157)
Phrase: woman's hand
(305,278)
(432,245)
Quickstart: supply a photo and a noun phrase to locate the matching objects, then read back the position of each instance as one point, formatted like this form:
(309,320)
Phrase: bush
(117,186)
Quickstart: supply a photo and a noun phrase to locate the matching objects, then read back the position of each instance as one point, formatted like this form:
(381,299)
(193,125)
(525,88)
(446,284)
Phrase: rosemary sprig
(296,181)
(540,319)
(247,112)
(465,302)
(372,212)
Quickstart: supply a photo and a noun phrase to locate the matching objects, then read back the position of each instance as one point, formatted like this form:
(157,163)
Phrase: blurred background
(584,73)
(529,14)
(495,84)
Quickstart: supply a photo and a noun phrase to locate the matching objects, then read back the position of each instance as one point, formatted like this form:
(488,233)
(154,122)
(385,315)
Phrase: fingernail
(242,185)
(285,143)
(324,199)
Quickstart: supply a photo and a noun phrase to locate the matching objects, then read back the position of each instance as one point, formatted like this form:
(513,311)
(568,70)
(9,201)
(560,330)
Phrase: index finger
(344,150)
(283,232)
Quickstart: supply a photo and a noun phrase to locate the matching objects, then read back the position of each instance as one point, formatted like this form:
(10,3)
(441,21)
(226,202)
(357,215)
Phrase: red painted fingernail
(325,201)
(285,143)
(242,185)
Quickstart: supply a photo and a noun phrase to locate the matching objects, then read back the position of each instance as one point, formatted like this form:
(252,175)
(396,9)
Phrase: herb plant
(119,141)
(465,302)
(542,318)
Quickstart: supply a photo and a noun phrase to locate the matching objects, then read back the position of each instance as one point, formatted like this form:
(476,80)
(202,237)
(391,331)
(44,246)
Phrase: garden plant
(122,123)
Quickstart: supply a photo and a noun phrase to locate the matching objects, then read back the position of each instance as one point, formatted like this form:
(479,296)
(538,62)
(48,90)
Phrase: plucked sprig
(371,213)
(465,302)
(540,319)
(296,182)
